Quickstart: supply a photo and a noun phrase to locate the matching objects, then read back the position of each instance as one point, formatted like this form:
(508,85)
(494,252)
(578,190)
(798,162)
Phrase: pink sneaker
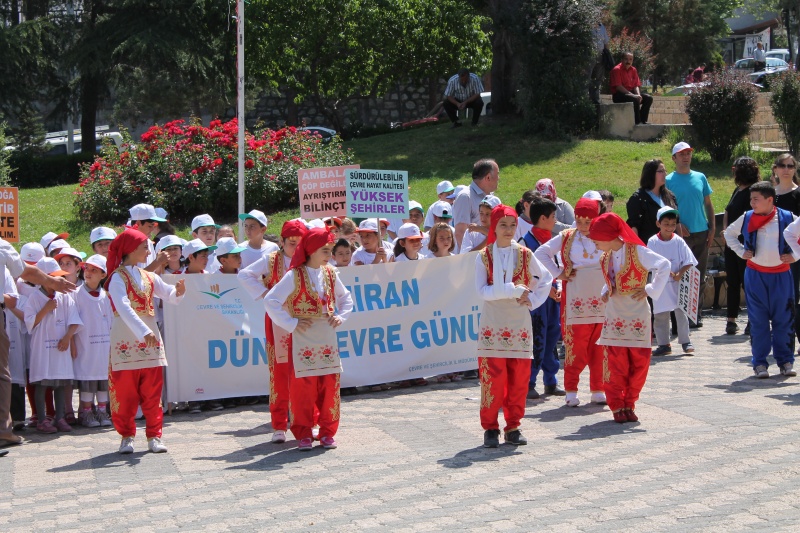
(46,426)
(328,443)
(305,445)
(63,425)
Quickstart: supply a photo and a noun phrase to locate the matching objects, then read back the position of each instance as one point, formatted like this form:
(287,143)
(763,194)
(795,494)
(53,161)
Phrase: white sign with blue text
(411,319)
(377,193)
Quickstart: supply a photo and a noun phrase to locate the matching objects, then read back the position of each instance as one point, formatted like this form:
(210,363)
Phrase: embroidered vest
(141,299)
(567,240)
(631,276)
(304,302)
(275,269)
(784,219)
(521,273)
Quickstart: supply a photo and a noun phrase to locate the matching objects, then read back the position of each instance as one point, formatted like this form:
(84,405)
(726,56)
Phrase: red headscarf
(587,208)
(610,226)
(547,189)
(123,244)
(312,241)
(499,212)
(293,228)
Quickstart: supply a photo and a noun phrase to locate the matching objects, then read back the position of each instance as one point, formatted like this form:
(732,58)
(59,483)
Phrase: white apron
(282,341)
(315,351)
(627,323)
(583,302)
(505,330)
(129,353)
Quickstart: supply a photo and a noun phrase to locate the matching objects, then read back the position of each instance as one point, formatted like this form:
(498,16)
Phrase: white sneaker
(761,372)
(126,446)
(279,437)
(103,418)
(88,420)
(139,413)
(156,446)
(599,398)
(572,399)
(315,432)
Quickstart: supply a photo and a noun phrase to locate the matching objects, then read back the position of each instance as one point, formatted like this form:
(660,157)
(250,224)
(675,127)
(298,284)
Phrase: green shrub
(5,166)
(192,169)
(721,113)
(785,102)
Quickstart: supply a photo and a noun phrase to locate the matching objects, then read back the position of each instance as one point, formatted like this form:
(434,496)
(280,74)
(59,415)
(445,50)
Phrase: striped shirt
(460,92)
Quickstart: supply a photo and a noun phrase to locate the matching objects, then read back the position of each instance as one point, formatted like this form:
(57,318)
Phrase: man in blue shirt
(693,195)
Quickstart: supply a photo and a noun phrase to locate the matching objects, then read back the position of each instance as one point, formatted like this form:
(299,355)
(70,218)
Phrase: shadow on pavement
(728,339)
(563,412)
(479,454)
(787,399)
(667,358)
(107,460)
(600,430)
(753,383)
(273,456)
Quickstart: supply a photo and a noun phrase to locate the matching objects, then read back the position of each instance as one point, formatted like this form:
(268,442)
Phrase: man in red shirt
(625,88)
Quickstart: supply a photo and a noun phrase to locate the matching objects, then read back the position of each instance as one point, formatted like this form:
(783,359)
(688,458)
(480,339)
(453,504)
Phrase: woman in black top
(745,174)
(652,195)
(788,197)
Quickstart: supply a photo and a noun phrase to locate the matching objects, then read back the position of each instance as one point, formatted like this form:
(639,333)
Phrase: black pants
(734,278)
(641,112)
(452,109)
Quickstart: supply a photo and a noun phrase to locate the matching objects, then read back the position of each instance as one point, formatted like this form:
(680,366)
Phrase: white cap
(96,260)
(69,252)
(457,191)
(491,200)
(50,236)
(315,223)
(32,252)
(257,215)
(102,234)
(160,211)
(413,204)
(169,240)
(442,210)
(57,244)
(680,147)
(409,231)
(145,212)
(444,186)
(664,210)
(48,265)
(368,225)
(592,195)
(201,221)
(196,245)
(227,245)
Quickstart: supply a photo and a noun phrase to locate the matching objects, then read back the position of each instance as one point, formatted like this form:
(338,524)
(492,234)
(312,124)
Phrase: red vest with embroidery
(521,275)
(275,269)
(141,299)
(567,238)
(631,276)
(304,302)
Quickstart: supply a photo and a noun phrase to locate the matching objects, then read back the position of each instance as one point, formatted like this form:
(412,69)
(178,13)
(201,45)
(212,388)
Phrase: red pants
(504,383)
(581,349)
(628,371)
(280,377)
(315,396)
(127,390)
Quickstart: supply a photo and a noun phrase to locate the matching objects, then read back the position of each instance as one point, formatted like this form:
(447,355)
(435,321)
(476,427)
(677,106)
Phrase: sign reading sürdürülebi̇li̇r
(377,193)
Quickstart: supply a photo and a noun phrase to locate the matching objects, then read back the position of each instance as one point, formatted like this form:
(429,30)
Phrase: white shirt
(93,339)
(251,277)
(523,227)
(251,255)
(651,261)
(119,297)
(767,253)
(47,361)
(402,257)
(540,284)
(9,259)
(678,253)
(471,240)
(277,297)
(366,257)
(791,234)
(550,251)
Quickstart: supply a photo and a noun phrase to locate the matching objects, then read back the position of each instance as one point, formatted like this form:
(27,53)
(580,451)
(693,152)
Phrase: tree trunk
(291,108)
(504,64)
(90,101)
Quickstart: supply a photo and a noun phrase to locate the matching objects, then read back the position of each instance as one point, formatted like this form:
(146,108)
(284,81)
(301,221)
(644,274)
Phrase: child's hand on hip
(151,340)
(335,321)
(303,324)
(639,294)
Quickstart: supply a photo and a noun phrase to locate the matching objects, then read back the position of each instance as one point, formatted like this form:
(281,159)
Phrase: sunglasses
(783,165)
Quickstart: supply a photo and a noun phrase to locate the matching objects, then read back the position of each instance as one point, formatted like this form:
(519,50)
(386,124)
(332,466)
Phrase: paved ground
(715,450)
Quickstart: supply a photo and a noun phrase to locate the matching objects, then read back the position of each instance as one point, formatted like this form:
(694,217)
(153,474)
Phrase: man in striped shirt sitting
(463,91)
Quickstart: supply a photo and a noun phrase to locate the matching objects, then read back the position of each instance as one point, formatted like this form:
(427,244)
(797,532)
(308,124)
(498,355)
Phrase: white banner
(689,293)
(411,319)
(750,42)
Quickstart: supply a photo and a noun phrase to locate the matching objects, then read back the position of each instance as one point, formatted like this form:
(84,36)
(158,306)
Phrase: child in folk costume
(92,343)
(258,279)
(626,333)
(582,308)
(673,248)
(137,352)
(545,318)
(310,302)
(770,235)
(52,318)
(512,282)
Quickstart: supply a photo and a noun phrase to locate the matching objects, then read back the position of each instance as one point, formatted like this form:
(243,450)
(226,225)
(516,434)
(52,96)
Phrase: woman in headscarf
(137,351)
(626,333)
(564,212)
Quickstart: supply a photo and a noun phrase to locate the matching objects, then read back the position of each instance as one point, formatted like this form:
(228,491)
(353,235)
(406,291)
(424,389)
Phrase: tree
(334,52)
(5,166)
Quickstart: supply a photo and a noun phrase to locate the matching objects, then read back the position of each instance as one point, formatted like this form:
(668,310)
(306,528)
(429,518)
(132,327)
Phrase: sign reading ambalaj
(377,193)
(322,191)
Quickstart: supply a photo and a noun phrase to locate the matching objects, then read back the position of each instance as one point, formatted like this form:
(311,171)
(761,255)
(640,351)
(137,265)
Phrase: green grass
(434,153)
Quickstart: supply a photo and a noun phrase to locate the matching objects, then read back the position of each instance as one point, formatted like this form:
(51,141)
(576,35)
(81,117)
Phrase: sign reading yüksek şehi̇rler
(377,193)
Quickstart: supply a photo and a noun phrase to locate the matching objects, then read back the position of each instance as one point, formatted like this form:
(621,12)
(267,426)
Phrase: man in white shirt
(463,92)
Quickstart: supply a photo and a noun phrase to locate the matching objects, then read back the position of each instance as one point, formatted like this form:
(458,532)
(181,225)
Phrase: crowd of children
(547,272)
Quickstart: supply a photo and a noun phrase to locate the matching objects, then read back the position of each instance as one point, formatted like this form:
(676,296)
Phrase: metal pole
(240,103)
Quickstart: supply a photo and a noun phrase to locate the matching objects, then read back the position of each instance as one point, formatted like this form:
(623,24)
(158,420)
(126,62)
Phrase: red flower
(249,163)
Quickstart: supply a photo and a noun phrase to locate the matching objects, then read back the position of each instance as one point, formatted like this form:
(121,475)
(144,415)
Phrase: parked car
(780,53)
(56,142)
(774,66)
(326,133)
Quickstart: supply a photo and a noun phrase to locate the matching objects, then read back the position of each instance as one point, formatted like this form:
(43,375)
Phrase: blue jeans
(770,308)
(546,322)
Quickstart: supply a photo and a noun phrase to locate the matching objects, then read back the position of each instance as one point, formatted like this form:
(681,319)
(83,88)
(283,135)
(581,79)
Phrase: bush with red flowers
(189,169)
